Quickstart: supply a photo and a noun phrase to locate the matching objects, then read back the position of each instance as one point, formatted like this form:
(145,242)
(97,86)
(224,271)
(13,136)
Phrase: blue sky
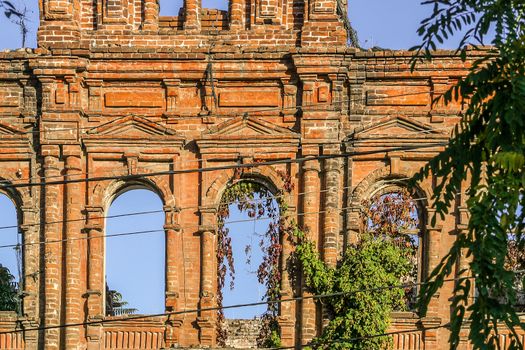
(384,23)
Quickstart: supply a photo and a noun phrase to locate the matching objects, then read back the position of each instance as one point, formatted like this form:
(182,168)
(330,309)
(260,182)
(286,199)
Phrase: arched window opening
(249,252)
(393,214)
(135,254)
(248,240)
(214,15)
(10,256)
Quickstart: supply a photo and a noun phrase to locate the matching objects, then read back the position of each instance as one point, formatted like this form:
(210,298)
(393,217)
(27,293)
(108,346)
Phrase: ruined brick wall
(114,92)
(242,334)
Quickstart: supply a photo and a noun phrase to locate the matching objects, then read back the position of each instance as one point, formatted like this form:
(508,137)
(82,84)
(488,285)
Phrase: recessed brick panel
(9,98)
(398,96)
(250,98)
(136,98)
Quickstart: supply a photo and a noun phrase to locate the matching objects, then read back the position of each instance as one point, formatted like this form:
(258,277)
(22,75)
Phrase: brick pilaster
(173,254)
(72,228)
(95,275)
(206,319)
(52,249)
(332,211)
(310,208)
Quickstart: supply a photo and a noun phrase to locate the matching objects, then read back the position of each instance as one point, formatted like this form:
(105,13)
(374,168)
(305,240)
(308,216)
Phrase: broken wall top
(124,24)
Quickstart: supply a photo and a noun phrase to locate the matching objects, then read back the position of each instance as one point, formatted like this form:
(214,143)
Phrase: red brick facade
(115,90)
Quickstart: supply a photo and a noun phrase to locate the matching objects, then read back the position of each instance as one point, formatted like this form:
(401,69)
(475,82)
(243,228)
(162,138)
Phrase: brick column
(72,227)
(206,319)
(236,14)
(464,267)
(331,224)
(31,277)
(331,219)
(434,243)
(52,250)
(192,17)
(353,206)
(95,272)
(173,259)
(287,310)
(311,188)
(432,319)
(434,234)
(59,16)
(151,15)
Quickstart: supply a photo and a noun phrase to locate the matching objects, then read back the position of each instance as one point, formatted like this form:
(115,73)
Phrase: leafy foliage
(484,160)
(365,274)
(258,202)
(9,300)
(395,215)
(391,214)
(115,305)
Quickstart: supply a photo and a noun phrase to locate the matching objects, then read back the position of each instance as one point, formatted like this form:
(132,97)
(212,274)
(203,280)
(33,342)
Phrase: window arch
(135,260)
(11,261)
(247,219)
(394,211)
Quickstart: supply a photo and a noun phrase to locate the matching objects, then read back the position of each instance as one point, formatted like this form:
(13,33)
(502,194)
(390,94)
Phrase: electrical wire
(254,201)
(198,160)
(217,308)
(224,167)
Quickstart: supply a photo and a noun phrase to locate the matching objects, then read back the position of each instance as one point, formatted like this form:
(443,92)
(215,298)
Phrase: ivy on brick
(381,258)
(258,202)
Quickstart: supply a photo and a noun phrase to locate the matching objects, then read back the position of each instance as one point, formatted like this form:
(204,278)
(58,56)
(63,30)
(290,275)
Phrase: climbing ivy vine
(382,257)
(258,202)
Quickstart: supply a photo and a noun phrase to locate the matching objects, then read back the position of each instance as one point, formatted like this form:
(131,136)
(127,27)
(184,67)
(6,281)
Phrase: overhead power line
(217,308)
(254,201)
(198,160)
(224,167)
